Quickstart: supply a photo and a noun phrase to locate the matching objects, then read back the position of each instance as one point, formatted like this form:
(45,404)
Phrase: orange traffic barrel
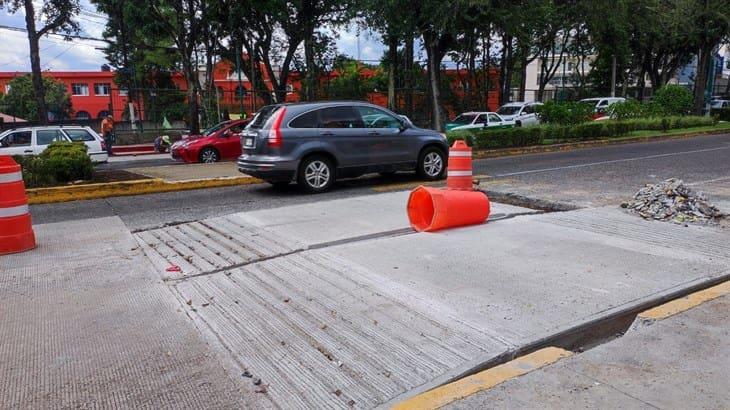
(16,231)
(433,209)
(460,173)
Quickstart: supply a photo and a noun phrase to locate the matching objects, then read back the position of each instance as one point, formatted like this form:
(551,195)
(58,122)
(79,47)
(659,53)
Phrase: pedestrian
(107,131)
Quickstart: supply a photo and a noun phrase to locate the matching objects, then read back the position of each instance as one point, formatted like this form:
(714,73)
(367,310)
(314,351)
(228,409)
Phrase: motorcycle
(162,144)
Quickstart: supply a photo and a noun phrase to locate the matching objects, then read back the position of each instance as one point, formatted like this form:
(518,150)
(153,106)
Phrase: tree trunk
(434,68)
(309,61)
(408,73)
(192,94)
(505,71)
(703,66)
(35,63)
(393,54)
(523,76)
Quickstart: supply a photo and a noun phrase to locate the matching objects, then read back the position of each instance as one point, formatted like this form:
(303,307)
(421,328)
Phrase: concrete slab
(86,323)
(342,219)
(677,363)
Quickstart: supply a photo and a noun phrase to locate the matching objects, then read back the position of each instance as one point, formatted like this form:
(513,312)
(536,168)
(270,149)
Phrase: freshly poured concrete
(332,304)
(677,363)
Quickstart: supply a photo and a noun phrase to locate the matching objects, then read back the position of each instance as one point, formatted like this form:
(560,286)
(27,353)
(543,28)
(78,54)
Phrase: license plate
(248,142)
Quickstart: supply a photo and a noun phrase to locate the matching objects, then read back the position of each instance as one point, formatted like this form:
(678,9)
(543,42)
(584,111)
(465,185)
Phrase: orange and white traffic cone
(16,231)
(460,169)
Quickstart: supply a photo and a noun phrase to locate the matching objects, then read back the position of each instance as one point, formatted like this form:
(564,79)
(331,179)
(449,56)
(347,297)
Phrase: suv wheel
(431,164)
(209,156)
(316,174)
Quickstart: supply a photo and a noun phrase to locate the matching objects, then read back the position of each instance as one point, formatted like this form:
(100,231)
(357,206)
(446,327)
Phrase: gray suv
(316,143)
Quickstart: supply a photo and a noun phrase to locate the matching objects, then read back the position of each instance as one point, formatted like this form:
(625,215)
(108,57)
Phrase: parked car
(524,114)
(600,105)
(715,104)
(316,143)
(34,140)
(221,141)
(471,120)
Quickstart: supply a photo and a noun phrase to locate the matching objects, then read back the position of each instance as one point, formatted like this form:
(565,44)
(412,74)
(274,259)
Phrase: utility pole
(613,76)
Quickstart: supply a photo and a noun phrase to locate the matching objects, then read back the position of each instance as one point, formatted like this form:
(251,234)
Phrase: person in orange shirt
(107,131)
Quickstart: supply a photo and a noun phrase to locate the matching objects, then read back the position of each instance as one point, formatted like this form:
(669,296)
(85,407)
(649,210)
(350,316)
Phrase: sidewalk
(676,363)
(332,304)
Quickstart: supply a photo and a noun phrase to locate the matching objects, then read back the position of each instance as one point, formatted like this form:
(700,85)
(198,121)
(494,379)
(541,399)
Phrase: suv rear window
(262,116)
(45,137)
(340,117)
(306,120)
(79,135)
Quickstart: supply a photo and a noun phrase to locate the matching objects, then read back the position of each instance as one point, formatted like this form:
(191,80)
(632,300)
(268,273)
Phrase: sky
(82,55)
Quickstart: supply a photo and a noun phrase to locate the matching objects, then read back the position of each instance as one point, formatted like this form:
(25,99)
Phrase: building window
(240,91)
(83,115)
(103,114)
(102,89)
(79,89)
(7,88)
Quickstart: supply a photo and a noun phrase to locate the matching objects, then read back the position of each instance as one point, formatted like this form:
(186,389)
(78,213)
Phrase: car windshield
(508,110)
(464,119)
(214,128)
(262,116)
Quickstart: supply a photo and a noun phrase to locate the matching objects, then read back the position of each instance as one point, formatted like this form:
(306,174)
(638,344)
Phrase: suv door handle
(326,133)
(28,151)
(373,133)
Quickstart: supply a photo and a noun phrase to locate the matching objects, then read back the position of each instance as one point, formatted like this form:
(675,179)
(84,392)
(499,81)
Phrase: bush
(671,100)
(564,113)
(61,162)
(521,137)
(626,110)
(68,161)
(721,114)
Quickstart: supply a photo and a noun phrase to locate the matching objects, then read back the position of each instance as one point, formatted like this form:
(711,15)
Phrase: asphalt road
(586,177)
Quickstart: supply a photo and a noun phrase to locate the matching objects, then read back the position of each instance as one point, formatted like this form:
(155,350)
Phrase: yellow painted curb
(569,146)
(441,396)
(688,302)
(125,188)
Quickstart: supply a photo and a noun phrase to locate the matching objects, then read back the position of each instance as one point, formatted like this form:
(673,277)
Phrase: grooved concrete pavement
(86,323)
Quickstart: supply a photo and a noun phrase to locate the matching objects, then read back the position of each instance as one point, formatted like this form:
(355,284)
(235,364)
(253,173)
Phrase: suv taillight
(275,131)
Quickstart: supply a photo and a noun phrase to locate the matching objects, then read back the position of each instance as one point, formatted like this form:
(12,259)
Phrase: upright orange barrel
(16,231)
(460,173)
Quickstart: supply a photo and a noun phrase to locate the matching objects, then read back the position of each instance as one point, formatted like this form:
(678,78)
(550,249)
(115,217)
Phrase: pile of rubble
(672,200)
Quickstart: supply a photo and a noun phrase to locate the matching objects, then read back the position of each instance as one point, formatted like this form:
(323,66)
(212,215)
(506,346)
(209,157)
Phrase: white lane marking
(709,181)
(613,161)
(13,211)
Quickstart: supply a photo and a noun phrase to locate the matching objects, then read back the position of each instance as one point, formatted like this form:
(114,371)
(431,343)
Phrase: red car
(221,141)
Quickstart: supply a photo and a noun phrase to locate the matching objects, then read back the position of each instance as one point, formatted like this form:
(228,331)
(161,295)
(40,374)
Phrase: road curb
(50,195)
(570,146)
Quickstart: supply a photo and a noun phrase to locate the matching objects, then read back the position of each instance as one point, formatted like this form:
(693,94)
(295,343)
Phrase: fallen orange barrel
(16,231)
(433,209)
(460,170)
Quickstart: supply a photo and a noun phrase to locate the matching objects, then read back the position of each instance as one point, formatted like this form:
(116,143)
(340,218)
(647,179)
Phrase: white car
(34,140)
(473,120)
(524,114)
(600,105)
(720,103)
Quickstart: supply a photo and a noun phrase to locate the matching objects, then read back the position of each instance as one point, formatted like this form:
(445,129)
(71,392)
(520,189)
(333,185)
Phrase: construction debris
(672,200)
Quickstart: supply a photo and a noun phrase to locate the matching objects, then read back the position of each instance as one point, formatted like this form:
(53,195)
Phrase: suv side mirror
(4,143)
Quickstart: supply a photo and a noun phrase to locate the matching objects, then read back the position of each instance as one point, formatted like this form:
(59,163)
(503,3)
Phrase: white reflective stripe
(459,153)
(459,173)
(14,211)
(11,177)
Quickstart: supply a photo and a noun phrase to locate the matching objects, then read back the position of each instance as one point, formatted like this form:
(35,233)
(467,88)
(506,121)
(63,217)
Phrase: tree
(20,100)
(58,16)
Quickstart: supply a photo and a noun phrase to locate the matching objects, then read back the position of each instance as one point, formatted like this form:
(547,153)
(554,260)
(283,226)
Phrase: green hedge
(61,162)
(722,114)
(526,136)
